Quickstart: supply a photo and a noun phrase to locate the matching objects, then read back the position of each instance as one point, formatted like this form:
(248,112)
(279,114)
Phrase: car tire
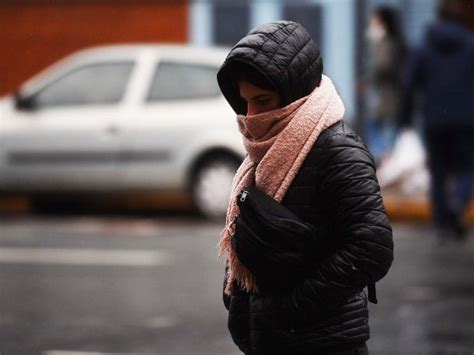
(211,185)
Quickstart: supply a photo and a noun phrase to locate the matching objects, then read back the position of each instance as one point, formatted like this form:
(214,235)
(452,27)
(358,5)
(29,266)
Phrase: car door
(65,137)
(177,96)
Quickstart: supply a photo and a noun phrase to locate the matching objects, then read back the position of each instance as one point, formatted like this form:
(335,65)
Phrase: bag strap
(372,292)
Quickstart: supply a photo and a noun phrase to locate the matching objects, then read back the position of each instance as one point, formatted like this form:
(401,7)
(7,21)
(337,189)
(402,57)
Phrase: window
(101,83)
(175,81)
(231,21)
(309,15)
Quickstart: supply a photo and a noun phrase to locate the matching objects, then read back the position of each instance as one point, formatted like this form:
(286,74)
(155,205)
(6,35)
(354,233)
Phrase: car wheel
(211,185)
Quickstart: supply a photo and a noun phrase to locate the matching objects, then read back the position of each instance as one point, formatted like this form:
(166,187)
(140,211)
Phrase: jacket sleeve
(360,222)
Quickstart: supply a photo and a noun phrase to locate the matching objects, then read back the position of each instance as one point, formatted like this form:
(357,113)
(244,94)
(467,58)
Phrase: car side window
(99,83)
(178,81)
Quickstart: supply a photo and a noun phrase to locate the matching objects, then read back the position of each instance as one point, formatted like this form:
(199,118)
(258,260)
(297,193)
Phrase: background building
(337,25)
(34,33)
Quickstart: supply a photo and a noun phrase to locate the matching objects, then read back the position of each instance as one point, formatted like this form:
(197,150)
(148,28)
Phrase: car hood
(4,102)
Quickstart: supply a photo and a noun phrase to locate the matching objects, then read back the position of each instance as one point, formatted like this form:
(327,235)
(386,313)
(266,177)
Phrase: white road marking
(421,293)
(138,258)
(161,322)
(67,352)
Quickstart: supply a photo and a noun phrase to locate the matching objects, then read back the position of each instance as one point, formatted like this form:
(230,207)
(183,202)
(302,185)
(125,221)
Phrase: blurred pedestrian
(383,80)
(442,69)
(303,155)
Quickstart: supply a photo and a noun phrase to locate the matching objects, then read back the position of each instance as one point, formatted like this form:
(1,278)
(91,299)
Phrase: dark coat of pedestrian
(442,70)
(301,153)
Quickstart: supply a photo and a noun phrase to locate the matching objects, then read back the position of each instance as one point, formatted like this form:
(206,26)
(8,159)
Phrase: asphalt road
(152,285)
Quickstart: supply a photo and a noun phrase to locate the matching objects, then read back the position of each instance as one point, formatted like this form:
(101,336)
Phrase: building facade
(338,26)
(35,33)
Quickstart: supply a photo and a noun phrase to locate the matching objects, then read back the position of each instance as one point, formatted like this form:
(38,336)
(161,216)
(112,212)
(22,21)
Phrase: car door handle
(112,129)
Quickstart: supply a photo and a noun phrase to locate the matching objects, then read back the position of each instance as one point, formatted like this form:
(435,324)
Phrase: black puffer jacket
(336,190)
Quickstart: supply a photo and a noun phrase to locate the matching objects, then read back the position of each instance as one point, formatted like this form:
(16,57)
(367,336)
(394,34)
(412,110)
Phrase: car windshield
(98,83)
(175,81)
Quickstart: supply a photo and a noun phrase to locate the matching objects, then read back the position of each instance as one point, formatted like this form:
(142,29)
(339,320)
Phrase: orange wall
(34,34)
(469,5)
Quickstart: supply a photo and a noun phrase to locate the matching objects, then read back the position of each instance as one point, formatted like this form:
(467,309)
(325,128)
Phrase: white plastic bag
(406,165)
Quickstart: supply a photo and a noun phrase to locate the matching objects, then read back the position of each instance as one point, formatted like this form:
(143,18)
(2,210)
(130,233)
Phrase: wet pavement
(153,286)
(426,302)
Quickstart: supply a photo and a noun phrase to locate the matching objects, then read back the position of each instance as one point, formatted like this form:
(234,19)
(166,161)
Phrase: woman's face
(258,100)
(376,30)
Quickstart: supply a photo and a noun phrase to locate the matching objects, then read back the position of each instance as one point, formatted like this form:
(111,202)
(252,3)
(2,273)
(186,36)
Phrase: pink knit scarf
(277,143)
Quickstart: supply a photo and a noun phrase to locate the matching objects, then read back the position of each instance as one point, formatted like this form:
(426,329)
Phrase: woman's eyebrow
(261,96)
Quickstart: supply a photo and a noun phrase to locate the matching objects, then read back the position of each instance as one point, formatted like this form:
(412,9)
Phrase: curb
(415,209)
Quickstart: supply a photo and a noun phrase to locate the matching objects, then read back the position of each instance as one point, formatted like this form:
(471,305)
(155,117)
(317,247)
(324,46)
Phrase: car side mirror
(25,103)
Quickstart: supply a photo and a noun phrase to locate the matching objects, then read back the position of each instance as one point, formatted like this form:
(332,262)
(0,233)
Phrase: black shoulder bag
(271,241)
(274,243)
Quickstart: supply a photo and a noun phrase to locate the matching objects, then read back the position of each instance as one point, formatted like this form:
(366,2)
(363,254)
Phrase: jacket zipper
(242,198)
(244,195)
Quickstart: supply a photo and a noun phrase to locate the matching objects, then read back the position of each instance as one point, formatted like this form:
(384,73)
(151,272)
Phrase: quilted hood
(281,51)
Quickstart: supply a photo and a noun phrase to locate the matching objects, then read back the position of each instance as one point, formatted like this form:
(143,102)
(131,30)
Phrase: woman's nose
(251,110)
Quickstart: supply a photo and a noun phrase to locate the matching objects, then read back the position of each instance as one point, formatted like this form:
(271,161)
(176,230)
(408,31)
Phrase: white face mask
(375,33)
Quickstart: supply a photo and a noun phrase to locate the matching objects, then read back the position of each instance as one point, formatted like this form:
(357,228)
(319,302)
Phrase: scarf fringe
(246,279)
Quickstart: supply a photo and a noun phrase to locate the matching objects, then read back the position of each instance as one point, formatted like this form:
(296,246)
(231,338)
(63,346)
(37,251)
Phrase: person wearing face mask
(386,61)
(302,154)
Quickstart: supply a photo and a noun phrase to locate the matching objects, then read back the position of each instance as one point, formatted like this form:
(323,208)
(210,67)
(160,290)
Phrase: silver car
(123,118)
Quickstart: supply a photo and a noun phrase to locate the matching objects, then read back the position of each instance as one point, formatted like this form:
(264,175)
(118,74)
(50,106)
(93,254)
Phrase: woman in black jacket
(301,153)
